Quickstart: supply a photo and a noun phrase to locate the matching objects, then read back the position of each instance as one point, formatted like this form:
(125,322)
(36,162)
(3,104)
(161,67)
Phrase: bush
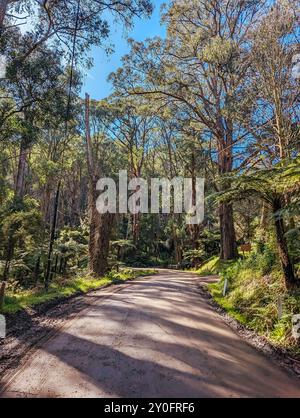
(255,285)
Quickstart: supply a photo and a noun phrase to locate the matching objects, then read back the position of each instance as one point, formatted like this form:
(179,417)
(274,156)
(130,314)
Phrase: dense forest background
(217,98)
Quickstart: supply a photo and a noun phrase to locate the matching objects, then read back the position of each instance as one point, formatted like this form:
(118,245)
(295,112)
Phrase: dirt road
(157,337)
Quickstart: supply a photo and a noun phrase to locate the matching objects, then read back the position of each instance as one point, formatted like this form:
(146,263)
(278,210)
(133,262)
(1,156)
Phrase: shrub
(253,296)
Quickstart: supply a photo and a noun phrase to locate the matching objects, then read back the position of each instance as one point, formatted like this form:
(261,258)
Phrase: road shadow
(158,338)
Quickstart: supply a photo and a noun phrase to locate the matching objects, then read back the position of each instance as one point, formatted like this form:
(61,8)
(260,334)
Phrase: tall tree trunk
(20,181)
(194,230)
(19,194)
(52,238)
(100,224)
(225,159)
(37,271)
(2,295)
(9,253)
(136,228)
(178,252)
(176,240)
(228,241)
(3,7)
(286,263)
(100,232)
(264,216)
(25,148)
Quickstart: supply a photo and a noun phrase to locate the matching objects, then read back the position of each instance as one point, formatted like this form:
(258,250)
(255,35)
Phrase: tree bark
(225,159)
(194,230)
(9,253)
(177,243)
(286,263)
(264,216)
(228,241)
(19,194)
(25,147)
(100,232)
(2,295)
(37,271)
(60,265)
(3,7)
(52,238)
(135,228)
(20,181)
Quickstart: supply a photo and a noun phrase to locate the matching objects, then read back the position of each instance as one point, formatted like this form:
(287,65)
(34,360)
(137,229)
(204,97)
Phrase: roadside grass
(212,267)
(16,300)
(255,290)
(216,290)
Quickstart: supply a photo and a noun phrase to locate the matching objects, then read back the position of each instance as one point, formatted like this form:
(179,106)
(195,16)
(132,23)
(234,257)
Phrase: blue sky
(95,82)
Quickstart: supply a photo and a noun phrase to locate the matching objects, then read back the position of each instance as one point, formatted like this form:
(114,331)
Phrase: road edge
(16,364)
(260,343)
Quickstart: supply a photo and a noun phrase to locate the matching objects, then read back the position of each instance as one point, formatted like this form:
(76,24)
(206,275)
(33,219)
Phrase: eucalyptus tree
(36,92)
(202,68)
(274,90)
(57,35)
(133,126)
(67,28)
(54,20)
